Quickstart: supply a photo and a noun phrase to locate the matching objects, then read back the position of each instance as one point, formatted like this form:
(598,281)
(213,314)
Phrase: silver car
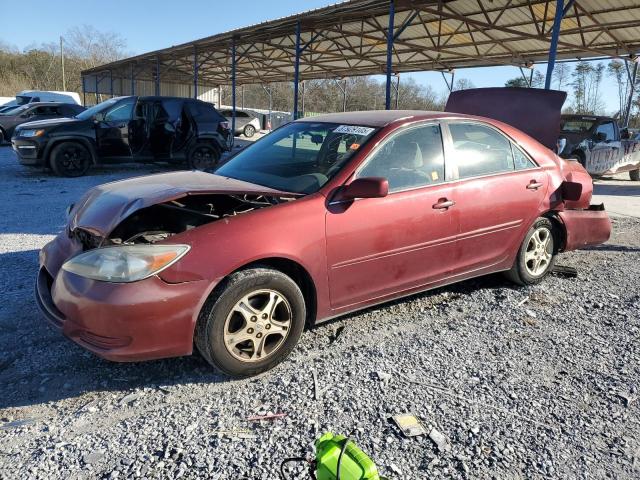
(246,123)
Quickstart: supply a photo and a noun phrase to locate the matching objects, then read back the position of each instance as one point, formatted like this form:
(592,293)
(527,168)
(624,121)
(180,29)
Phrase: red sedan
(324,216)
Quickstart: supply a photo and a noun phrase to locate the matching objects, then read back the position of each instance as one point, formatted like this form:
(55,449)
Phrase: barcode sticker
(354,130)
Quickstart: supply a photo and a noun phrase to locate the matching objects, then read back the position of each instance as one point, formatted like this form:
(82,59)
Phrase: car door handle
(443,204)
(533,185)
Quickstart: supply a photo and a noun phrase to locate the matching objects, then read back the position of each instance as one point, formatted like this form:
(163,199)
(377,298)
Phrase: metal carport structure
(365,37)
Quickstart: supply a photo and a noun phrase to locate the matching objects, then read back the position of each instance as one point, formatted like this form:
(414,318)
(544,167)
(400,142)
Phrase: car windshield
(300,157)
(577,125)
(101,107)
(23,99)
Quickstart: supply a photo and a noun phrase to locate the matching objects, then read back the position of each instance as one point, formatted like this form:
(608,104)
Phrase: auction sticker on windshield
(354,130)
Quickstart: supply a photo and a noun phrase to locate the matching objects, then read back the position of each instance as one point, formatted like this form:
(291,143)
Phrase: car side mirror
(368,187)
(98,117)
(625,134)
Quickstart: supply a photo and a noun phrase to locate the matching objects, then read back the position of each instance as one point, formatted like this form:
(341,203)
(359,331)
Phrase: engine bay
(158,222)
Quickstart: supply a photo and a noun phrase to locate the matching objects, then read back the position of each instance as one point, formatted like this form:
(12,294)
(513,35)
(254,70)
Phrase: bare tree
(463,84)
(561,74)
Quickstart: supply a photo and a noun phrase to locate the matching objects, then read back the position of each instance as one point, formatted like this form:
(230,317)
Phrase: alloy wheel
(539,252)
(203,157)
(258,325)
(73,161)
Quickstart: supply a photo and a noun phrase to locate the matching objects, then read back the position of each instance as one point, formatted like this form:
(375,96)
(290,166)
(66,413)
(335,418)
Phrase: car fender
(71,138)
(208,137)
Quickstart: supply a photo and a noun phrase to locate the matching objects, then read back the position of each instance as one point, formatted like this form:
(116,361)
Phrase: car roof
(382,118)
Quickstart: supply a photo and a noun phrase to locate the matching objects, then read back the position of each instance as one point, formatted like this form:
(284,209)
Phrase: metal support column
(84,93)
(133,81)
(111,83)
(555,36)
(296,72)
(233,85)
(196,67)
(632,91)
(97,85)
(390,38)
(304,89)
(267,90)
(157,75)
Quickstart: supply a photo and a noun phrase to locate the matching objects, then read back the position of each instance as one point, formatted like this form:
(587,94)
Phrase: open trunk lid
(534,111)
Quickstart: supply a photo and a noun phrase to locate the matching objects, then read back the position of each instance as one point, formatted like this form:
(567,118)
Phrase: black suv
(124,129)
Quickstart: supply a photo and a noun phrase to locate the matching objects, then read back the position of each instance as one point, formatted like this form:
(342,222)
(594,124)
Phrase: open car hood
(103,207)
(534,111)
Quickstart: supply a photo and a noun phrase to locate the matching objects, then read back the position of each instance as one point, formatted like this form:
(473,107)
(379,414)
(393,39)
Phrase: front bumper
(28,151)
(143,320)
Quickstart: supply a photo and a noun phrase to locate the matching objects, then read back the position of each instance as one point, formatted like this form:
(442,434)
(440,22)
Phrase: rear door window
(480,150)
(203,112)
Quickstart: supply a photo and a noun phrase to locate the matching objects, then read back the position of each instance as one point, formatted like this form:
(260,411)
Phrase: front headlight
(31,133)
(127,263)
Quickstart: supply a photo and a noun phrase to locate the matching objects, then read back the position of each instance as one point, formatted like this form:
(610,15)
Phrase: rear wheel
(249,131)
(70,159)
(635,175)
(536,255)
(203,156)
(252,321)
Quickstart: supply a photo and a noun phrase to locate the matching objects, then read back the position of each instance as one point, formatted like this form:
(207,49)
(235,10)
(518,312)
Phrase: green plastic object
(355,465)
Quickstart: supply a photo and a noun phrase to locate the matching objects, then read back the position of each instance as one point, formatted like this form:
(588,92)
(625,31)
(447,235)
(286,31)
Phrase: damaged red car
(324,216)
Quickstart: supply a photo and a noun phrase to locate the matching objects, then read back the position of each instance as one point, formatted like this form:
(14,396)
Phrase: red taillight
(225,125)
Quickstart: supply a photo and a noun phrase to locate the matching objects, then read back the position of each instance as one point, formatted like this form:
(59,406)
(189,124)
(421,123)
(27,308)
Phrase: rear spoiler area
(534,111)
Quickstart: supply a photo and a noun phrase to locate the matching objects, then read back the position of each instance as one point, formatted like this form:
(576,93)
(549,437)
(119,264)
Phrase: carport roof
(349,38)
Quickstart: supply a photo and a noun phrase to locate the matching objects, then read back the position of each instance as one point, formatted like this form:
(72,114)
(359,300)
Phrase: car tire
(203,156)
(536,255)
(1,136)
(70,159)
(635,175)
(239,333)
(249,131)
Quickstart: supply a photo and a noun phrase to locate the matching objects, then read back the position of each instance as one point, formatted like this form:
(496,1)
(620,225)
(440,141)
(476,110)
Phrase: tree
(561,74)
(617,71)
(517,82)
(586,81)
(463,84)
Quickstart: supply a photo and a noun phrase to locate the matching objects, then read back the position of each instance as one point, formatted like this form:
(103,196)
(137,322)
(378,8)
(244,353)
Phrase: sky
(148,25)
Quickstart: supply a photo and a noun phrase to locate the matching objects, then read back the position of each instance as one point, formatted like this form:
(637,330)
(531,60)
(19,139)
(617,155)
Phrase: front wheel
(536,255)
(251,322)
(249,131)
(203,156)
(70,159)
(635,175)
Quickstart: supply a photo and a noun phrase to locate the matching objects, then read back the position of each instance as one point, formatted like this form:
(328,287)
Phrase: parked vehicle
(125,129)
(246,123)
(31,96)
(29,112)
(599,145)
(324,216)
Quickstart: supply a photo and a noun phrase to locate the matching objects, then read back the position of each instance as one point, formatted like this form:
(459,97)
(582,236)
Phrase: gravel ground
(535,382)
